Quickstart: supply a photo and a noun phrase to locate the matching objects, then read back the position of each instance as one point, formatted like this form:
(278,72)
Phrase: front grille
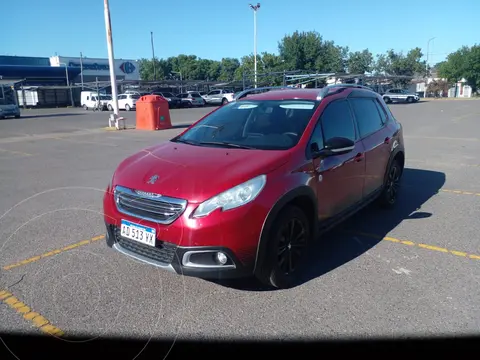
(163,252)
(148,206)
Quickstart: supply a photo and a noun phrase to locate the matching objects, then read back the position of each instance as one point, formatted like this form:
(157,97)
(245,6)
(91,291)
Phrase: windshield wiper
(189,142)
(225,144)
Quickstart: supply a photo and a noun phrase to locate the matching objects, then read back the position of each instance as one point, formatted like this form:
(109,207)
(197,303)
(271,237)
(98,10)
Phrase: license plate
(136,232)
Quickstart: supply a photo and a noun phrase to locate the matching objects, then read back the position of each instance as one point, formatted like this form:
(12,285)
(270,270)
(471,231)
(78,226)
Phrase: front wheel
(410,100)
(110,107)
(389,195)
(387,99)
(224,101)
(288,240)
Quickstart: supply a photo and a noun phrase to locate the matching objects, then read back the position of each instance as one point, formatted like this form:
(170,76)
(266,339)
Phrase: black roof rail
(244,93)
(330,90)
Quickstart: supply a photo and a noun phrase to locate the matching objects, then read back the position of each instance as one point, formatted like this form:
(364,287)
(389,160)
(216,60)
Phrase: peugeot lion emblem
(153,179)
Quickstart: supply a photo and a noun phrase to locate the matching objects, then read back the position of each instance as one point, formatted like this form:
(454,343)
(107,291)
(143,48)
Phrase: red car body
(326,188)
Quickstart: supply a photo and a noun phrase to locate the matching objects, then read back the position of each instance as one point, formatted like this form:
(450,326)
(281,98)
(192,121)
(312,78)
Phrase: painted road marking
(435,163)
(420,245)
(33,317)
(15,152)
(53,252)
(84,142)
(460,192)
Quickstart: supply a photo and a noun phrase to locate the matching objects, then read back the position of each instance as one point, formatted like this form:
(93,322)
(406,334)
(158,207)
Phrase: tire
(224,101)
(110,107)
(387,99)
(389,195)
(127,107)
(17,116)
(274,273)
(85,107)
(409,100)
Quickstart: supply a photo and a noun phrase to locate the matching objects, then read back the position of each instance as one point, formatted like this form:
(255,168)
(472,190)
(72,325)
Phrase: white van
(88,99)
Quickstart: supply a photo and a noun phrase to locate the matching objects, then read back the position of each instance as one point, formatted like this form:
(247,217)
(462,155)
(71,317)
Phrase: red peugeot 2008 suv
(247,188)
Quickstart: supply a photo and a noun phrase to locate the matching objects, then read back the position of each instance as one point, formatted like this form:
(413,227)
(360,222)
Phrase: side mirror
(334,146)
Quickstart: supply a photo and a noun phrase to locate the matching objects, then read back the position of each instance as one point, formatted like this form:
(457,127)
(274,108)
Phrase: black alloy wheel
(389,194)
(291,245)
(288,239)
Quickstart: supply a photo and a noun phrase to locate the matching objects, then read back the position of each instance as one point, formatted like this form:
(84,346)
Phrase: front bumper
(7,113)
(178,259)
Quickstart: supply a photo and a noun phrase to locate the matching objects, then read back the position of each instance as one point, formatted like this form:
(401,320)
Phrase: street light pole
(68,83)
(81,68)
(255,9)
(426,65)
(153,57)
(111,61)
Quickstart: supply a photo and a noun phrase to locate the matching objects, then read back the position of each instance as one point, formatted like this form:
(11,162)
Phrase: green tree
(463,63)
(360,62)
(400,64)
(308,51)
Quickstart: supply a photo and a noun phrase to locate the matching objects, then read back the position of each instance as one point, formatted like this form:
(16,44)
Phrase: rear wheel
(85,107)
(127,107)
(288,240)
(389,195)
(110,108)
(387,99)
(409,99)
(17,116)
(224,101)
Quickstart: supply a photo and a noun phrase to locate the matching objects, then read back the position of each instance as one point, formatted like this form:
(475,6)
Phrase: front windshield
(168,94)
(268,125)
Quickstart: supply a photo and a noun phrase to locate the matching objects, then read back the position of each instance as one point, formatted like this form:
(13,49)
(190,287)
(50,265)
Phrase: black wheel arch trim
(399,149)
(289,196)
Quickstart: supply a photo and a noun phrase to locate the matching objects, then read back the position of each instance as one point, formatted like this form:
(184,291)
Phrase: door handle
(387,140)
(359,157)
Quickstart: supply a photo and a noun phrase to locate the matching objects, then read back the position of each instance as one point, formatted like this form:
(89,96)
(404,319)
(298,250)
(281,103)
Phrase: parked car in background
(219,97)
(191,99)
(173,100)
(125,102)
(92,99)
(400,95)
(199,93)
(247,189)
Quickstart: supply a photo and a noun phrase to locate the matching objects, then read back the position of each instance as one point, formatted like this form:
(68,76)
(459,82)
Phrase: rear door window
(367,116)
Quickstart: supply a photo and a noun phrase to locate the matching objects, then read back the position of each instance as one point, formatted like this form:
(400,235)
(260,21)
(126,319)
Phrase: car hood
(194,173)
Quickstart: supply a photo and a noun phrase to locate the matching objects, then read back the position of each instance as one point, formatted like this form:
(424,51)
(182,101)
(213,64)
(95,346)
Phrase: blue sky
(214,28)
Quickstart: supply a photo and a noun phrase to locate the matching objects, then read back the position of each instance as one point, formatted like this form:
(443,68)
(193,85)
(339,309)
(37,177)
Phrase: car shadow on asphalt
(51,115)
(180,126)
(347,241)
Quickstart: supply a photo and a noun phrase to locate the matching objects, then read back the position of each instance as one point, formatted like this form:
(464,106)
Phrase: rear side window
(337,121)
(381,111)
(367,115)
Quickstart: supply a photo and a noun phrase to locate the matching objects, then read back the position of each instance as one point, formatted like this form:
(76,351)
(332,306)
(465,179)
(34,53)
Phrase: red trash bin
(152,113)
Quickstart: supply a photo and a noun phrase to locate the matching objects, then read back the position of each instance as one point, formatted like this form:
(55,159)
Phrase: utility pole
(255,9)
(153,57)
(68,83)
(111,61)
(81,68)
(426,65)
(181,80)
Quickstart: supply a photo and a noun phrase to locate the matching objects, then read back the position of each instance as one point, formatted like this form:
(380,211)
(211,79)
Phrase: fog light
(222,258)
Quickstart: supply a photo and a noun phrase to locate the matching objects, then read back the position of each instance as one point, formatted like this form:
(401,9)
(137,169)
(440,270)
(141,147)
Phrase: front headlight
(235,197)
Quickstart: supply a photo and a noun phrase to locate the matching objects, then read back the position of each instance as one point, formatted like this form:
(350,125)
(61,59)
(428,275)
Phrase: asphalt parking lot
(412,271)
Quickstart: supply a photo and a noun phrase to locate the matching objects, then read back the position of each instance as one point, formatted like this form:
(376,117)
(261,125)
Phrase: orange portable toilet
(152,113)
